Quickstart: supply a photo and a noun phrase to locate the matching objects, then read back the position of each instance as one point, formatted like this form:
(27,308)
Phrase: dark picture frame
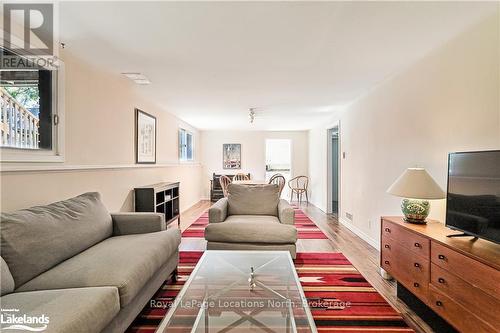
(231,156)
(145,132)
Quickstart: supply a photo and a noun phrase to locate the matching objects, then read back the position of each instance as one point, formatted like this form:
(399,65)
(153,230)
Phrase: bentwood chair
(241,176)
(224,182)
(299,185)
(279,180)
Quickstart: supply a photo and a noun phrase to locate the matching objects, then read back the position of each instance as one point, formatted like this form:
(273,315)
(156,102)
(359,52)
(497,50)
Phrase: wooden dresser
(457,278)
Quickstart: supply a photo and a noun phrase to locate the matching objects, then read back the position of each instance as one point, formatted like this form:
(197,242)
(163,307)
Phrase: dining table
(250,182)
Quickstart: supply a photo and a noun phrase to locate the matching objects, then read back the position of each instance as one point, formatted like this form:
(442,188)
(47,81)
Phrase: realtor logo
(12,319)
(29,28)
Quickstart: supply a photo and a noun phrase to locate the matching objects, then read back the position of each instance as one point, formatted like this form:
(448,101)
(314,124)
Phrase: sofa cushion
(81,310)
(36,239)
(6,279)
(126,262)
(253,199)
(248,231)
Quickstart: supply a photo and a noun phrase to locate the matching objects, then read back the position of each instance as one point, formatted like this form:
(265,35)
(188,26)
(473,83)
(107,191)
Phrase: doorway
(279,160)
(333,182)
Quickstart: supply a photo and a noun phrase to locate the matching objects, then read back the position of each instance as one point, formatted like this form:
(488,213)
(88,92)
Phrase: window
(29,113)
(185,145)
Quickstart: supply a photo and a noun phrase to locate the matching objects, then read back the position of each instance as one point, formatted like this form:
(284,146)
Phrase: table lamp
(416,186)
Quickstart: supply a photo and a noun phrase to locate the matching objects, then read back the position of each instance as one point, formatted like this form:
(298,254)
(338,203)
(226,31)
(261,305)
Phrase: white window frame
(181,158)
(56,154)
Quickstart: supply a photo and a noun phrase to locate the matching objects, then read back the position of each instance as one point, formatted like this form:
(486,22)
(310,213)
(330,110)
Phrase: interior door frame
(329,171)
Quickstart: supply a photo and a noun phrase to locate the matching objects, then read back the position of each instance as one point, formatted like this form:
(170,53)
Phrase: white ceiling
(296,62)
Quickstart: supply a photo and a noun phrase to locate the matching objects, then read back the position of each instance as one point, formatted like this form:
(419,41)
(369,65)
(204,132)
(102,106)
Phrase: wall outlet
(348,215)
(369,224)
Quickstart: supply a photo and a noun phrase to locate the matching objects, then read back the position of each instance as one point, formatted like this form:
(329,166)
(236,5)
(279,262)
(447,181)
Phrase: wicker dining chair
(224,182)
(279,180)
(241,176)
(299,185)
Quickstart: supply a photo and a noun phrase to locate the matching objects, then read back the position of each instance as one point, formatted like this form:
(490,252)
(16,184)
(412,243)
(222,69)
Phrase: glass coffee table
(240,291)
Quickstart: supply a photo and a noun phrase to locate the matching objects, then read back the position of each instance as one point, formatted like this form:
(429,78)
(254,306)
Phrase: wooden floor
(362,255)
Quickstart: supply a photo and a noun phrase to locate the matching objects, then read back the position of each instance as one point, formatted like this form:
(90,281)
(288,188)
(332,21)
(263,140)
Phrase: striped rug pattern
(340,299)
(306,228)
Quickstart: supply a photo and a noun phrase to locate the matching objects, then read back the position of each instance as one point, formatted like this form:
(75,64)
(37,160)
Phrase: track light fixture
(251,115)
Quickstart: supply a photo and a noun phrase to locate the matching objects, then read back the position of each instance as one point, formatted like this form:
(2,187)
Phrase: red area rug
(339,297)
(306,228)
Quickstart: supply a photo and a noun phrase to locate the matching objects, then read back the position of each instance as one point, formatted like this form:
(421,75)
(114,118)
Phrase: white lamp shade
(416,183)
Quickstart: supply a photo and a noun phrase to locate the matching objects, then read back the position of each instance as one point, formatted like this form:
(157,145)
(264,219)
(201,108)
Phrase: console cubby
(160,198)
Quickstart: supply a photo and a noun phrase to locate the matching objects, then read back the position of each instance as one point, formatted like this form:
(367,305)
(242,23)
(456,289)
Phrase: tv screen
(473,200)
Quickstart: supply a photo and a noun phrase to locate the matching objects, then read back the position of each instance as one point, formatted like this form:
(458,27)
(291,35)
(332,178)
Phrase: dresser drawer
(455,314)
(408,268)
(472,271)
(475,300)
(408,239)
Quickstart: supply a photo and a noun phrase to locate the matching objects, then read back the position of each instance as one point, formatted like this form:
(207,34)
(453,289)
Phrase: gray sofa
(252,217)
(85,269)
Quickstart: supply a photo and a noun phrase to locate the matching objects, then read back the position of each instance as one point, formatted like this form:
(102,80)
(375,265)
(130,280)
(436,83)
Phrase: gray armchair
(252,217)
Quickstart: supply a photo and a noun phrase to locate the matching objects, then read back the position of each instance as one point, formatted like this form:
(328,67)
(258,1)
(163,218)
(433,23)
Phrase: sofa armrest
(218,212)
(137,223)
(286,213)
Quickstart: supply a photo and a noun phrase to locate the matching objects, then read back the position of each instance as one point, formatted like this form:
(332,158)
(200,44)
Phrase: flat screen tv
(473,200)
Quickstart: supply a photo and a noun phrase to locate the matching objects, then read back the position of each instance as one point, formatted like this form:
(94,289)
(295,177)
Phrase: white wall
(253,152)
(278,152)
(99,131)
(448,101)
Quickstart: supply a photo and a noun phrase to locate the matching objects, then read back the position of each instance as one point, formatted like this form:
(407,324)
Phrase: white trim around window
(56,154)
(186,138)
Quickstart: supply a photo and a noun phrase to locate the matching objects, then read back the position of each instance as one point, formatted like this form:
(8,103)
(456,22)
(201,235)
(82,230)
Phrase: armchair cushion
(253,199)
(218,212)
(251,231)
(251,218)
(286,213)
(137,223)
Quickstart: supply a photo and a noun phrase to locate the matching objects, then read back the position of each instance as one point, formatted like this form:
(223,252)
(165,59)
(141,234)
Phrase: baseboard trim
(349,225)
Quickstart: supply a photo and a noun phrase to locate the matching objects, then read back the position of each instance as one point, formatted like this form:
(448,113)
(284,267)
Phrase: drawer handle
(441,280)
(439,303)
(387,246)
(441,256)
(386,262)
(387,230)
(416,285)
(417,245)
(416,264)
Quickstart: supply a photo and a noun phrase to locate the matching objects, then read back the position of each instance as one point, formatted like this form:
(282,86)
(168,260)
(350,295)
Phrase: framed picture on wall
(231,155)
(145,138)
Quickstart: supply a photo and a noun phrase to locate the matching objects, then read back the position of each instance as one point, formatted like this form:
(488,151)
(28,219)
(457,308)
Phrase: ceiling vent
(138,78)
